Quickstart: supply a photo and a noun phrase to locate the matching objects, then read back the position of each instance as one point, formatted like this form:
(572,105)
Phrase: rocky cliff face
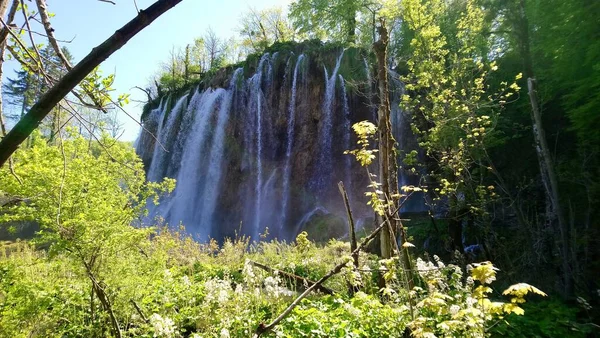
(262,146)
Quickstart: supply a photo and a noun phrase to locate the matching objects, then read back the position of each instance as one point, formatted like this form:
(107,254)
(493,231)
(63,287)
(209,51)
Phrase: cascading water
(187,122)
(165,133)
(260,150)
(183,205)
(347,126)
(325,167)
(256,105)
(146,139)
(215,159)
(291,123)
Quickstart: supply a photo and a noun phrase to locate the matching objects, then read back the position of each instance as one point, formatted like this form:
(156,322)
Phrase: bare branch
(41,4)
(32,119)
(299,281)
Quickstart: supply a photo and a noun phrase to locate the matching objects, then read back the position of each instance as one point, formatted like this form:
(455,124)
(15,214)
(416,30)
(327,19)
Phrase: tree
(453,107)
(31,120)
(21,91)
(85,201)
(388,166)
(261,29)
(215,49)
(323,19)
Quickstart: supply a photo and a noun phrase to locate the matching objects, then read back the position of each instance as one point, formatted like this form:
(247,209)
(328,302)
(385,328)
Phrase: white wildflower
(352,310)
(163,327)
(186,281)
(217,290)
(272,286)
(224,333)
(454,309)
(248,273)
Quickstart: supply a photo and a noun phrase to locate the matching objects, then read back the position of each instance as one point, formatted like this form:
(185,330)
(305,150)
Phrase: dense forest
(339,168)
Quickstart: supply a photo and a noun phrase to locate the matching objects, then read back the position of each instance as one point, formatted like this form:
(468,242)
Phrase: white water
(165,133)
(235,151)
(257,95)
(347,126)
(185,200)
(215,159)
(325,166)
(291,123)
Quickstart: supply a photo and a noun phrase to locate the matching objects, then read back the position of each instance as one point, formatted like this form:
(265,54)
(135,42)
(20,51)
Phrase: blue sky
(90,22)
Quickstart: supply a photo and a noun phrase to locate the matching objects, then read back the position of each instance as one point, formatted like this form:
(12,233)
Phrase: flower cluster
(164,327)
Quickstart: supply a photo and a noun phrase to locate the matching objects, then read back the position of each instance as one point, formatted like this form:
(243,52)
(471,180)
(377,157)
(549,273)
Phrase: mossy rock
(322,227)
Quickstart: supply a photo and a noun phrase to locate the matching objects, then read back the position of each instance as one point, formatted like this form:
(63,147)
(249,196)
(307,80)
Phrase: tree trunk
(36,114)
(554,212)
(388,166)
(351,22)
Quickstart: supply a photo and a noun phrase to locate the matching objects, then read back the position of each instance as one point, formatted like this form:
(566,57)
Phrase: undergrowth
(176,287)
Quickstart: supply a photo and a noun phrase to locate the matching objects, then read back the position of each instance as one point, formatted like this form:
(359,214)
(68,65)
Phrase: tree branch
(41,4)
(298,280)
(32,119)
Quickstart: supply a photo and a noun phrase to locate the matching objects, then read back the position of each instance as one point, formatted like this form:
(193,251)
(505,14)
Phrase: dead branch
(352,228)
(299,281)
(146,91)
(139,310)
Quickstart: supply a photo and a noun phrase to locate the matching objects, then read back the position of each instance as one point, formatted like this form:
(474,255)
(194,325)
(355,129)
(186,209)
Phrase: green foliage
(183,288)
(261,28)
(454,111)
(548,319)
(449,305)
(364,130)
(362,316)
(333,20)
(85,198)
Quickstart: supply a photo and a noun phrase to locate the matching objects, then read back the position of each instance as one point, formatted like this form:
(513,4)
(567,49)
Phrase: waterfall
(165,134)
(256,98)
(370,94)
(291,122)
(325,167)
(182,133)
(215,159)
(144,145)
(318,209)
(347,131)
(185,200)
(406,142)
(262,149)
